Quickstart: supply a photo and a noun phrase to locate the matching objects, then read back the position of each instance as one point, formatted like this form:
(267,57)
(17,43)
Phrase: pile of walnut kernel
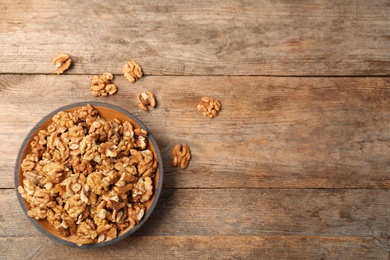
(87,176)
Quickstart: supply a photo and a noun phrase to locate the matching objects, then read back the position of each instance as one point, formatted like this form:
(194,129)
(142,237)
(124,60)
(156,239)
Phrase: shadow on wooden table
(154,225)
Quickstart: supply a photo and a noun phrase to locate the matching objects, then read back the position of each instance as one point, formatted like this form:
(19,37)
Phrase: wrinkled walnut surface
(89,177)
(146,99)
(132,71)
(101,85)
(62,63)
(181,155)
(209,107)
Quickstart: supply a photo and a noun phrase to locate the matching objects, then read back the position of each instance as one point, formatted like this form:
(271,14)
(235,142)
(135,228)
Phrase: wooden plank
(278,133)
(202,247)
(246,212)
(198,38)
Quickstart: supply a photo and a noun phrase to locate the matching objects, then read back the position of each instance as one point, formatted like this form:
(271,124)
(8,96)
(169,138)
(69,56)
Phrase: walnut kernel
(181,155)
(209,106)
(101,85)
(62,63)
(132,71)
(146,99)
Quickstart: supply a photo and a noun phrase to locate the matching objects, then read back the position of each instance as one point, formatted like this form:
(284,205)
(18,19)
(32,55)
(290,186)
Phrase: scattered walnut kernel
(87,176)
(132,71)
(209,106)
(101,85)
(181,155)
(146,99)
(62,63)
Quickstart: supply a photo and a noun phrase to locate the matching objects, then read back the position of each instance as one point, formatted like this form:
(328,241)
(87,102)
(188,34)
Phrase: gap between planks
(211,75)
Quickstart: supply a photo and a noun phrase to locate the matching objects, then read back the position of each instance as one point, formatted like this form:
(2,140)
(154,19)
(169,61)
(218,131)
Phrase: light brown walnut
(132,71)
(146,99)
(144,160)
(135,212)
(141,138)
(142,190)
(99,129)
(88,148)
(86,232)
(101,85)
(63,120)
(209,107)
(62,63)
(74,206)
(86,114)
(181,155)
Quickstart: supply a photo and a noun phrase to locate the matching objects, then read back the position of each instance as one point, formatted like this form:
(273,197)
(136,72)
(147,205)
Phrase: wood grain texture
(240,223)
(272,132)
(246,212)
(295,166)
(198,38)
(194,247)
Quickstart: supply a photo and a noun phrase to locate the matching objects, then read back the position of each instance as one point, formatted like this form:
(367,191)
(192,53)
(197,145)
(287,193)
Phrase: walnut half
(146,99)
(102,86)
(62,63)
(132,71)
(209,106)
(181,155)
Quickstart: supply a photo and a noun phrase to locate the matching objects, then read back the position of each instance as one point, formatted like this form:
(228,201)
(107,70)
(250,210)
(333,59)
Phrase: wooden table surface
(295,166)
